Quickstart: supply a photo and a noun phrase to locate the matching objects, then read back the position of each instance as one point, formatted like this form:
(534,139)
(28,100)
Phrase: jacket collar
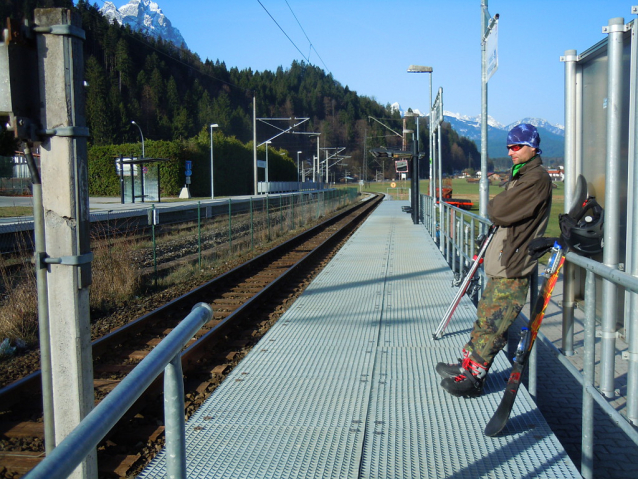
(533,163)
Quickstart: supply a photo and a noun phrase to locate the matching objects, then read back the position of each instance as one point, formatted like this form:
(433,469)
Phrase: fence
(202,233)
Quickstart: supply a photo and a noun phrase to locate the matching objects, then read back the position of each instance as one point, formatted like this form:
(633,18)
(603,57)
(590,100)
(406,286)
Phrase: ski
(478,259)
(580,232)
(526,343)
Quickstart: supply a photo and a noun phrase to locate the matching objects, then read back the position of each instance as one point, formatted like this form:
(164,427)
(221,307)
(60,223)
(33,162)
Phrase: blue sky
(368,45)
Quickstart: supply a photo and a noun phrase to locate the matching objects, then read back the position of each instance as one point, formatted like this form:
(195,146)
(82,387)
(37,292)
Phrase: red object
(463,204)
(447,193)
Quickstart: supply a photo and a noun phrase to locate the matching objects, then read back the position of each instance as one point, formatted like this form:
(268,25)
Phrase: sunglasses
(514,147)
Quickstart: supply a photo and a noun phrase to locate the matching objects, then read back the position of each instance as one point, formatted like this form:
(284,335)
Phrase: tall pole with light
(487,25)
(212,187)
(423,69)
(141,134)
(142,165)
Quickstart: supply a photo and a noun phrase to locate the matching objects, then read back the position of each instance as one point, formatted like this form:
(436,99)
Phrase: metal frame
(165,356)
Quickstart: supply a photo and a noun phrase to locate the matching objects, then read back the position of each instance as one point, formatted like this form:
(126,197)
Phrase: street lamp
(298,168)
(143,183)
(267,143)
(415,209)
(423,69)
(212,187)
(141,134)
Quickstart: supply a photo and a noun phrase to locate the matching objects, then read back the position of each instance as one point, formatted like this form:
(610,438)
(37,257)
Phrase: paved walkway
(344,385)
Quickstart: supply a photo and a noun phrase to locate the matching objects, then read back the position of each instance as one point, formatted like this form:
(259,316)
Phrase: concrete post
(66,206)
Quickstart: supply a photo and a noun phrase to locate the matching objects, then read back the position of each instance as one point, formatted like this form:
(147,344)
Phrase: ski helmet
(584,234)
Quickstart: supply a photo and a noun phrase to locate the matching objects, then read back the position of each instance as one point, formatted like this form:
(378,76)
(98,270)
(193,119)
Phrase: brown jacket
(521,212)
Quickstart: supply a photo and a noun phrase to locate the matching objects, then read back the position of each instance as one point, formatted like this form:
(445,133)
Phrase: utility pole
(65,194)
(487,25)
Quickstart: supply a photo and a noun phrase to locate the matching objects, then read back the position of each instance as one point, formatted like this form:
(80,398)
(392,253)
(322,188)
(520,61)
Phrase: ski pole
(478,259)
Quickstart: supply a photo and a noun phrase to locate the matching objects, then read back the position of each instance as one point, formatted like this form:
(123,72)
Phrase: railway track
(246,302)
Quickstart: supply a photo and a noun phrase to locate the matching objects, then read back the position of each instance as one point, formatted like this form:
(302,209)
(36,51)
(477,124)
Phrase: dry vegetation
(126,267)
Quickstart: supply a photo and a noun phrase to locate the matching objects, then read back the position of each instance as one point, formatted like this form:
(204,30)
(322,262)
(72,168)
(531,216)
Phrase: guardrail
(452,228)
(455,231)
(63,460)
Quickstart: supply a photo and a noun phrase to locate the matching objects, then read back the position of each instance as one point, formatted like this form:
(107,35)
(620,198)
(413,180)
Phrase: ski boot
(469,382)
(446,370)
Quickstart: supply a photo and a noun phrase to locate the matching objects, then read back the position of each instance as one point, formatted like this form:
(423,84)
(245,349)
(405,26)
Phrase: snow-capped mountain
(552,136)
(539,123)
(144,16)
(396,107)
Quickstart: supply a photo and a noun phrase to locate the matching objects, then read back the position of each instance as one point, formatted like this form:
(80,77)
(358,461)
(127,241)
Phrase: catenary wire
(312,47)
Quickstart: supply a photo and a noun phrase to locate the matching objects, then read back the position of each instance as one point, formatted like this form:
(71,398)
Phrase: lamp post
(267,143)
(141,134)
(212,187)
(142,165)
(423,69)
(298,169)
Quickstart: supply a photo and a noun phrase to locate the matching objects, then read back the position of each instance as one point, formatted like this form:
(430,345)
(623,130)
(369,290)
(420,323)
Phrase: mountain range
(144,16)
(552,136)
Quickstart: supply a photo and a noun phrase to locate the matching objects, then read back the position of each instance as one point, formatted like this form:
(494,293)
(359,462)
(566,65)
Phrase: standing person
(521,213)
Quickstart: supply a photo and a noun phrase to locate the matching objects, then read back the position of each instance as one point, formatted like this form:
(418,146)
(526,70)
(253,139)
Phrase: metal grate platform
(343,386)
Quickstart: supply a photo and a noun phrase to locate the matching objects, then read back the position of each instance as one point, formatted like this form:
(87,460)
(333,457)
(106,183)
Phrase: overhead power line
(283,31)
(312,47)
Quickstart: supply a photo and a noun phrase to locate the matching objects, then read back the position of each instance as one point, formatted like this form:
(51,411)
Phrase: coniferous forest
(174,95)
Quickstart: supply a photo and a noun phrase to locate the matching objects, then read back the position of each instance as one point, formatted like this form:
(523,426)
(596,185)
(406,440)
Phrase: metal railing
(63,460)
(452,227)
(455,231)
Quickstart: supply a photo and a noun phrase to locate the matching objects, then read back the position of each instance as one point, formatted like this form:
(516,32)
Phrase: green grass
(470,191)
(15,211)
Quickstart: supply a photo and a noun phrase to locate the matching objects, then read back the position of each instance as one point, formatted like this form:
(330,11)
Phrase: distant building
(557,174)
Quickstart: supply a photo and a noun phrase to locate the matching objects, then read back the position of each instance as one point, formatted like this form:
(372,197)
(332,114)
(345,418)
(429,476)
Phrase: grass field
(470,191)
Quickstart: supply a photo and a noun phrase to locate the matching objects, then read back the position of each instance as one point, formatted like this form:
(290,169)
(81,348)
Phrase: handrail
(165,356)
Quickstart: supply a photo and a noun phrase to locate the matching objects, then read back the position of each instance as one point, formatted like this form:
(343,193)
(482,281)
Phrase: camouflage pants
(499,306)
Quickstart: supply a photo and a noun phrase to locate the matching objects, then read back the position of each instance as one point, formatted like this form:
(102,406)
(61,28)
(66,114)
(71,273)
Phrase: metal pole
(612,201)
(317,165)
(631,323)
(484,193)
(141,164)
(569,271)
(267,184)
(431,132)
(533,357)
(416,174)
(174,419)
(212,186)
(441,219)
(142,135)
(255,190)
(43,299)
(589,359)
(199,233)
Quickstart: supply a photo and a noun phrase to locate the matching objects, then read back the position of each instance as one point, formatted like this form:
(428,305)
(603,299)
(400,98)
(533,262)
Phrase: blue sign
(189,165)
(188,173)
